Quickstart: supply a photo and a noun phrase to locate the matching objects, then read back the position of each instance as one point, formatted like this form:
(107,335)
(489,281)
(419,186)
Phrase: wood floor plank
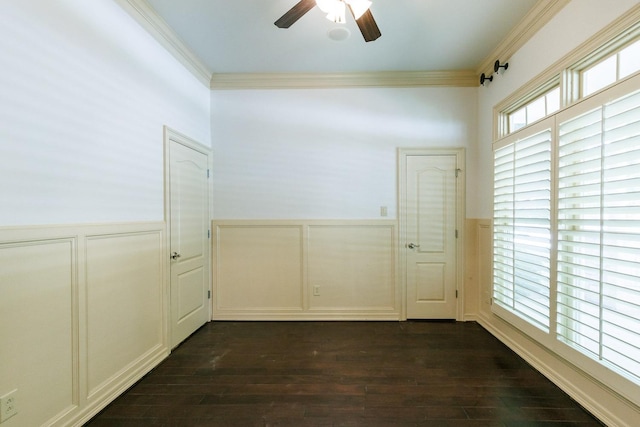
(343,374)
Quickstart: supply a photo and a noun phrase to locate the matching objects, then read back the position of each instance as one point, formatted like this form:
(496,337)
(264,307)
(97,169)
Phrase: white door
(189,239)
(430,236)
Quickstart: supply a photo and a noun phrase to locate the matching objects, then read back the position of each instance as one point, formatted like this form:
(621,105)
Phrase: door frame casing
(170,135)
(403,154)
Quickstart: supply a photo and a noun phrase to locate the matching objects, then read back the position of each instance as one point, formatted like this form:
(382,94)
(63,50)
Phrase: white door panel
(431,192)
(430,236)
(189,241)
(433,274)
(190,290)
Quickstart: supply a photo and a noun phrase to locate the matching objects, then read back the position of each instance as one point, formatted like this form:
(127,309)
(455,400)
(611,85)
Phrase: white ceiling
(238,36)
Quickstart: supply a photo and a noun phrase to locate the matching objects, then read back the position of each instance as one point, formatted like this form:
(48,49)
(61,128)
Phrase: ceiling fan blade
(295,13)
(368,26)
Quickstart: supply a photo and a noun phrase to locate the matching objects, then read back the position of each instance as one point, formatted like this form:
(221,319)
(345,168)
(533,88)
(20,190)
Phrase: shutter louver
(522,228)
(621,235)
(579,205)
(598,286)
(503,226)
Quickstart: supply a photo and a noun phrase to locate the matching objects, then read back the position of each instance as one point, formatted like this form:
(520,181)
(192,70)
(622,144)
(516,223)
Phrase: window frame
(541,90)
(613,52)
(567,73)
(542,97)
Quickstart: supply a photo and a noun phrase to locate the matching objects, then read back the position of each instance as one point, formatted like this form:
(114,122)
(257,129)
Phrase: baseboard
(329,316)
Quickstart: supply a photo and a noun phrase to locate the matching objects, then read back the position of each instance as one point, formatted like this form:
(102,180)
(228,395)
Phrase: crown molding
(533,21)
(145,15)
(466,78)
(542,12)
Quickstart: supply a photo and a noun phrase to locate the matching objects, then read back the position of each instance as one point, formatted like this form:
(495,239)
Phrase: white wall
(327,153)
(85,93)
(575,23)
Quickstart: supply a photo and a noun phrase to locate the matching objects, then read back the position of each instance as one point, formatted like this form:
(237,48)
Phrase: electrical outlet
(8,406)
(316,291)
(383,211)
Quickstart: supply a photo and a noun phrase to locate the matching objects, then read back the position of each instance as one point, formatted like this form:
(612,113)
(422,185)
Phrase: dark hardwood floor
(343,374)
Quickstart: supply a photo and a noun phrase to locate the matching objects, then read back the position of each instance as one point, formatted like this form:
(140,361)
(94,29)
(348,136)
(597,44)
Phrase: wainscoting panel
(485,261)
(258,269)
(124,289)
(38,338)
(351,268)
(305,270)
(83,312)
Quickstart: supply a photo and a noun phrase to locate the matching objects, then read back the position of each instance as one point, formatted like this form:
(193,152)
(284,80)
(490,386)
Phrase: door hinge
(208,294)
(208,234)
(207,173)
(458,172)
(456,293)
(456,234)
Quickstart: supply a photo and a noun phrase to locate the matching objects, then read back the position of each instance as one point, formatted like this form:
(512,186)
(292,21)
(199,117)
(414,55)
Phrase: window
(535,110)
(573,79)
(613,68)
(629,60)
(566,244)
(566,227)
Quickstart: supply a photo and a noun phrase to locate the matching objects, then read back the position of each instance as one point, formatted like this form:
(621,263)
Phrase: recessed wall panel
(432,210)
(259,268)
(430,281)
(190,290)
(37,345)
(351,267)
(124,302)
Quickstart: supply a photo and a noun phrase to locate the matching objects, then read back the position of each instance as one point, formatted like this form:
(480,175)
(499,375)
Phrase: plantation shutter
(621,235)
(522,228)
(598,280)
(503,225)
(579,218)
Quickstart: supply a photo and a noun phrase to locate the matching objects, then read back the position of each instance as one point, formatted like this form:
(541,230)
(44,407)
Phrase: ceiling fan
(336,11)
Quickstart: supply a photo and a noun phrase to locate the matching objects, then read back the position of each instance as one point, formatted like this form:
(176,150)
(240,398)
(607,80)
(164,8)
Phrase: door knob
(175,255)
(412,246)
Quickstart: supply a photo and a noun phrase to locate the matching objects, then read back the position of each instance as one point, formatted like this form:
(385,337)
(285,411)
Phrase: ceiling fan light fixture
(358,7)
(337,12)
(325,5)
